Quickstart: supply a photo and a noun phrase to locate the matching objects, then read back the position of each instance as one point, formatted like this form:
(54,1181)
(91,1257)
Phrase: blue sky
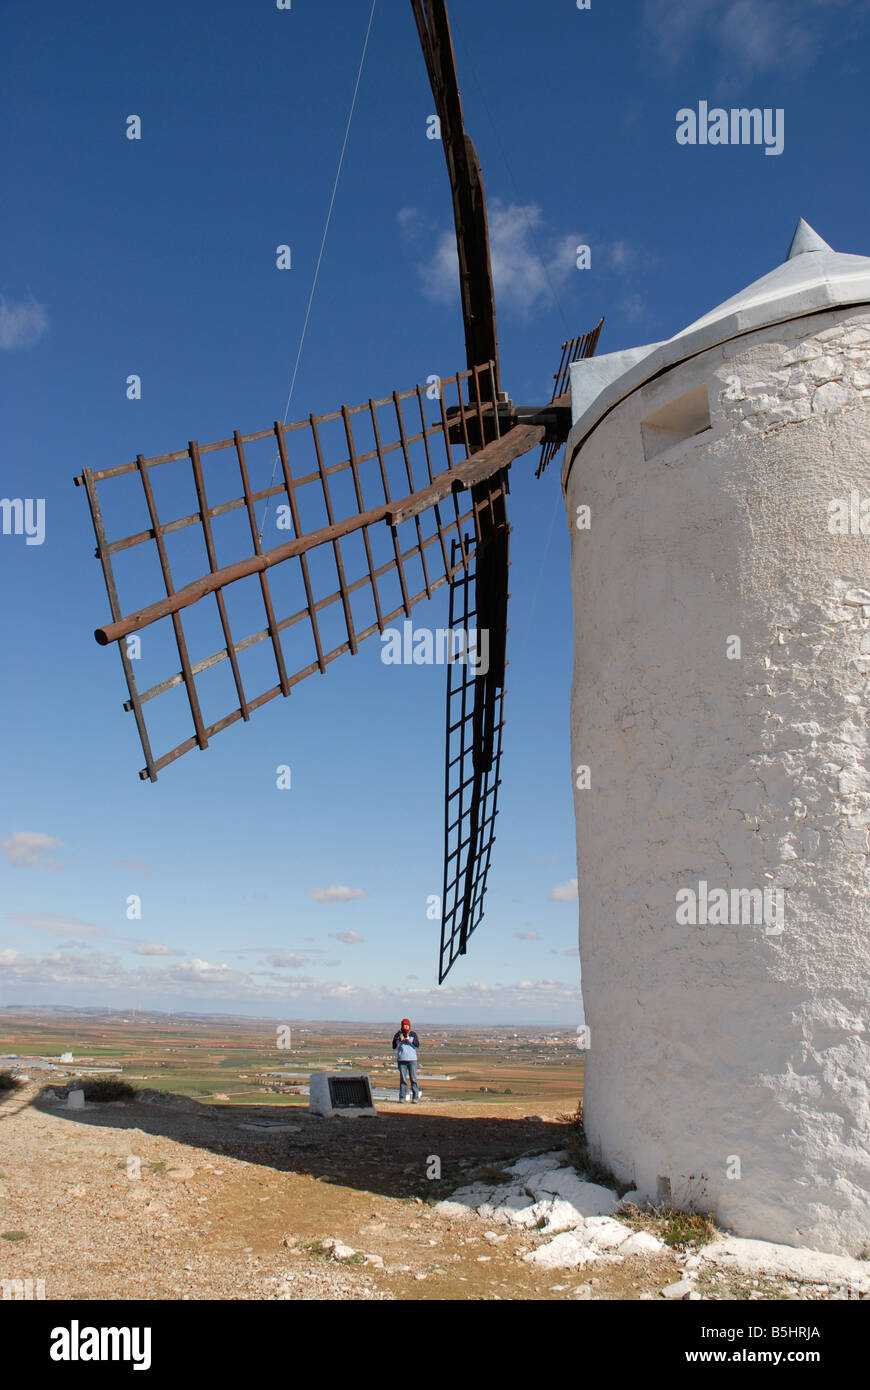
(157,257)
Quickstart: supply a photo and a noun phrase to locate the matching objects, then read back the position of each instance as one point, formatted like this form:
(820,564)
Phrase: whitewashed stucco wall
(716,1043)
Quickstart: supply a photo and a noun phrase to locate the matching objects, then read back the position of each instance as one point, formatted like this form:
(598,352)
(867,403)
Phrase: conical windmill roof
(813,277)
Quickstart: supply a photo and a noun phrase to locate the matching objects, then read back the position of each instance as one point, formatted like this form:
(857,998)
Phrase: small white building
(721,704)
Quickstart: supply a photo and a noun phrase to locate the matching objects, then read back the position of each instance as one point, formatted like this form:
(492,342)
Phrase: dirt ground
(218,1211)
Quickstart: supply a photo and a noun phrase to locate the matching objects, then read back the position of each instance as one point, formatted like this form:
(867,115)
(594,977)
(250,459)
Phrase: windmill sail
(383,504)
(475,720)
(372,498)
(466,187)
(572,351)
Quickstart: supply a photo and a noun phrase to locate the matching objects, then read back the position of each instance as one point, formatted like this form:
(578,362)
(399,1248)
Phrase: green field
(201,1057)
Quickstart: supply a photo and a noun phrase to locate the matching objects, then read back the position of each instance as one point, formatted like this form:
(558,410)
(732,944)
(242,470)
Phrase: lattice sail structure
(375,527)
(475,720)
(370,497)
(572,351)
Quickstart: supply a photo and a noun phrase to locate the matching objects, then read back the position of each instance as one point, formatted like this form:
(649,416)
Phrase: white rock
(825,368)
(589,1198)
(681,1289)
(453,1210)
(567,1251)
(642,1243)
(476,1195)
(804,352)
(605,1233)
(792,1262)
(342,1252)
(559,1215)
(539,1163)
(516,1211)
(831,396)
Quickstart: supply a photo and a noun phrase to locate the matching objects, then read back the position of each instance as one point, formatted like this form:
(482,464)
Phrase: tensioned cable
(322,246)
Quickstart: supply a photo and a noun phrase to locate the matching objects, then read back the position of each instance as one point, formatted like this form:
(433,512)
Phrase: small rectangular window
(681,419)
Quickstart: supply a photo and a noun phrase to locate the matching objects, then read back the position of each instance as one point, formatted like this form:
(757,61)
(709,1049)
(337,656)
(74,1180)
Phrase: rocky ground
(165,1198)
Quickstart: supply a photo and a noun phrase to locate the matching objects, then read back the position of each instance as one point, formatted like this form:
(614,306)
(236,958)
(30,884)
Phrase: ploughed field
(254,1061)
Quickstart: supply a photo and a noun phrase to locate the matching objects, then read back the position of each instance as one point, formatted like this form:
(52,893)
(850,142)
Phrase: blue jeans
(408,1076)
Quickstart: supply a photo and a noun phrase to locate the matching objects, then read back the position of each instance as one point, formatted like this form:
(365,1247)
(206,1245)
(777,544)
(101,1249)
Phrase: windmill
(376,526)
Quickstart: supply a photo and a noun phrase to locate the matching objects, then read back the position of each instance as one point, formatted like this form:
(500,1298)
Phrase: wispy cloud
(56,922)
(102,976)
(134,864)
(287,960)
(527,936)
(154,948)
(529,261)
(30,849)
(337,893)
(753,36)
(633,307)
(22,324)
(350,938)
(564,892)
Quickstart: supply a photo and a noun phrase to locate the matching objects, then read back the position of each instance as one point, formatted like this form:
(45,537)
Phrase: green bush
(105,1088)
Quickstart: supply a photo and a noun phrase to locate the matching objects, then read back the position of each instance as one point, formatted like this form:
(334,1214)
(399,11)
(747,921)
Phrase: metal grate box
(350,1092)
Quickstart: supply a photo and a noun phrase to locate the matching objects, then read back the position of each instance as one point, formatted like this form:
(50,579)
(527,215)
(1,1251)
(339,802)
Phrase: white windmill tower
(722,670)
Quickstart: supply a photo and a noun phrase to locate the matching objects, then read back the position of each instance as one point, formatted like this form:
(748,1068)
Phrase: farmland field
(254,1060)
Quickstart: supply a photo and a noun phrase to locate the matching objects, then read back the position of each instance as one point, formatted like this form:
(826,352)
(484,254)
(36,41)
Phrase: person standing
(406,1044)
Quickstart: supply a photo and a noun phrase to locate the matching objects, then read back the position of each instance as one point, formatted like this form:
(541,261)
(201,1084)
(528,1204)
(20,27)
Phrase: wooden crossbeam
(482,465)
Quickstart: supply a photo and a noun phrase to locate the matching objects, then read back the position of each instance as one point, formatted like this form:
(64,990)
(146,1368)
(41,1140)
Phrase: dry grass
(577,1146)
(492,1174)
(676,1228)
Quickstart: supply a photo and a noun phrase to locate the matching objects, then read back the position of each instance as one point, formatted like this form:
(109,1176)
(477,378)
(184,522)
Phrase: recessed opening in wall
(681,419)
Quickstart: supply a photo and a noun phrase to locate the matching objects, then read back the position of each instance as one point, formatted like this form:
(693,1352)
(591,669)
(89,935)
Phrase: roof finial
(805,239)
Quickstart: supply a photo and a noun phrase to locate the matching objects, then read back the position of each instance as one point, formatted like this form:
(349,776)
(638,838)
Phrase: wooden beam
(466,186)
(497,455)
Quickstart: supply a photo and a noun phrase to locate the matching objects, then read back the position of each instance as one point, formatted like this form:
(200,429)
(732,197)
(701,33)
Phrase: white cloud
(57,922)
(11,958)
(528,263)
(288,961)
(564,892)
(411,222)
(200,972)
(620,255)
(754,36)
(30,849)
(154,948)
(350,938)
(21,324)
(101,977)
(337,893)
